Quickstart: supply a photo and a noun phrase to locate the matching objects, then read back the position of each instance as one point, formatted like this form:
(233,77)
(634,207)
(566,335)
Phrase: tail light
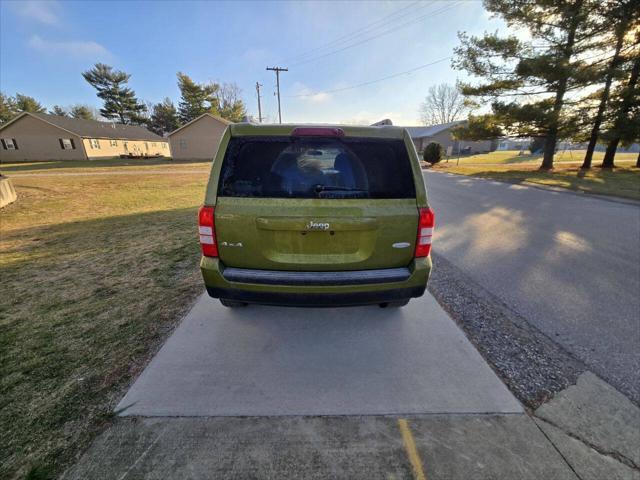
(206,229)
(426,224)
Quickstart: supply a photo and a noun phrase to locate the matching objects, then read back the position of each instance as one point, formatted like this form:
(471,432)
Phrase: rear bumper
(299,279)
(315,288)
(316,299)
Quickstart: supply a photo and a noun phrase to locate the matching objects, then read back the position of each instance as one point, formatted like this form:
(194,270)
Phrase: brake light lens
(317,132)
(207,232)
(426,224)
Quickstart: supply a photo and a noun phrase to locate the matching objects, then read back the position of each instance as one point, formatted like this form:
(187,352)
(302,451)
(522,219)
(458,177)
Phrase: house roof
(215,117)
(431,130)
(93,128)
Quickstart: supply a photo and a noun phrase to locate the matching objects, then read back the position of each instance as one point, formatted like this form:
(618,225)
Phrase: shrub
(433,153)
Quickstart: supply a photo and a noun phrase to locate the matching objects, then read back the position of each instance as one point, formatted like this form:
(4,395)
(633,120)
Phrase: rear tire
(396,304)
(232,303)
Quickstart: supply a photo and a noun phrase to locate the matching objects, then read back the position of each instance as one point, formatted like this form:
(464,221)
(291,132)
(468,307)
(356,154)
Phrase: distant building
(562,145)
(442,134)
(39,136)
(198,139)
(513,144)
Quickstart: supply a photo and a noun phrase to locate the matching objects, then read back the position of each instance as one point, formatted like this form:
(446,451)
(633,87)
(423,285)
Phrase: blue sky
(45,45)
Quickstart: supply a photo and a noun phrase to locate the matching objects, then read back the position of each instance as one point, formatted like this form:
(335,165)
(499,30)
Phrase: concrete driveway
(272,361)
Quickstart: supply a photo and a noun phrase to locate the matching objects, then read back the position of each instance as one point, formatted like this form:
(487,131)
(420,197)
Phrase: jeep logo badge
(317,226)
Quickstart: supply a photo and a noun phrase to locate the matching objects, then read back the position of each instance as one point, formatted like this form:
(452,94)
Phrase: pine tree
(82,111)
(626,115)
(120,101)
(164,118)
(541,71)
(195,98)
(621,17)
(8,108)
(222,100)
(58,110)
(25,103)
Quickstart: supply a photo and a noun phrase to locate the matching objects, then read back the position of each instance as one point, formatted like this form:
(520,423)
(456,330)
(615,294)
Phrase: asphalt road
(568,263)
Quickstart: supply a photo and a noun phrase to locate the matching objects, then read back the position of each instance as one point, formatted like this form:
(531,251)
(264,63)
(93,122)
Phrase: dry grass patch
(96,271)
(620,182)
(100,165)
(508,157)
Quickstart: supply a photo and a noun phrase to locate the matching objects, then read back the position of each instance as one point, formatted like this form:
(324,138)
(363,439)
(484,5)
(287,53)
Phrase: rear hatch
(316,203)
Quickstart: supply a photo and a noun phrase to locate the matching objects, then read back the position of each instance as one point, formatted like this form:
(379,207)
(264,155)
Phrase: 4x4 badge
(231,244)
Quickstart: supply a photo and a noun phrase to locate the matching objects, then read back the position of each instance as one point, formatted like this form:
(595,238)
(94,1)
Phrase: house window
(153,144)
(67,144)
(164,145)
(126,146)
(95,143)
(9,144)
(183,144)
(113,143)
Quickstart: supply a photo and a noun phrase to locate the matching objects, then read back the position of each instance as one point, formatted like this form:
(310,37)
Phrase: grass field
(96,271)
(58,166)
(620,182)
(513,157)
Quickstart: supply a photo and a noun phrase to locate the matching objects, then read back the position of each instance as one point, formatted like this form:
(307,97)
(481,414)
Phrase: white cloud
(308,95)
(80,49)
(319,97)
(39,10)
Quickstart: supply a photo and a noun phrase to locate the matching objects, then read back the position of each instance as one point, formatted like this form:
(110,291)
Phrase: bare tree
(443,104)
(229,102)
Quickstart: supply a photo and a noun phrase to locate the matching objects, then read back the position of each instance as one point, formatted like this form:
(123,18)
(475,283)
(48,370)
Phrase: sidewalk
(595,428)
(359,447)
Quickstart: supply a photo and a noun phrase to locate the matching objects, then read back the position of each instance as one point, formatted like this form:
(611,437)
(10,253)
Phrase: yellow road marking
(412,451)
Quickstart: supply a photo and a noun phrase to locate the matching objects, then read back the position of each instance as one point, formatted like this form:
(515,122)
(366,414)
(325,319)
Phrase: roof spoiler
(383,123)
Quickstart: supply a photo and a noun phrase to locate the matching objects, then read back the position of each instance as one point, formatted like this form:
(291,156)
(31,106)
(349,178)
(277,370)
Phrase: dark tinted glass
(284,167)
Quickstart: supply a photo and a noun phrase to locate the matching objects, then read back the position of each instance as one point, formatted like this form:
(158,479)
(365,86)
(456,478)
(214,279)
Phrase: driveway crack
(617,456)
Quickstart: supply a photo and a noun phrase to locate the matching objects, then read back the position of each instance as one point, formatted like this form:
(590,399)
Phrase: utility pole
(259,106)
(278,70)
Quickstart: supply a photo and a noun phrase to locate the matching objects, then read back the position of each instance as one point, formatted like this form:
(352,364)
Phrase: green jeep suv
(315,216)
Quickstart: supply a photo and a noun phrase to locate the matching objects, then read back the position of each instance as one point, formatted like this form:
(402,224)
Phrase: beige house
(441,134)
(198,139)
(39,136)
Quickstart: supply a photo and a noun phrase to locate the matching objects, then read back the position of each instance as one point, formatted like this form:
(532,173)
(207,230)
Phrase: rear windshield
(295,167)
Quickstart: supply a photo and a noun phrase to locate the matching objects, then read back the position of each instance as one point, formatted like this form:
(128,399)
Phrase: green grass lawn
(620,182)
(96,272)
(513,157)
(97,165)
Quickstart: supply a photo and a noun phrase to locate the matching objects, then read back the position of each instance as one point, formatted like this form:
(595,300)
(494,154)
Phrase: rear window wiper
(332,188)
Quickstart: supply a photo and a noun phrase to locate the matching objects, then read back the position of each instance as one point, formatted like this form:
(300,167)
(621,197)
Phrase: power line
(385,32)
(356,32)
(411,70)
